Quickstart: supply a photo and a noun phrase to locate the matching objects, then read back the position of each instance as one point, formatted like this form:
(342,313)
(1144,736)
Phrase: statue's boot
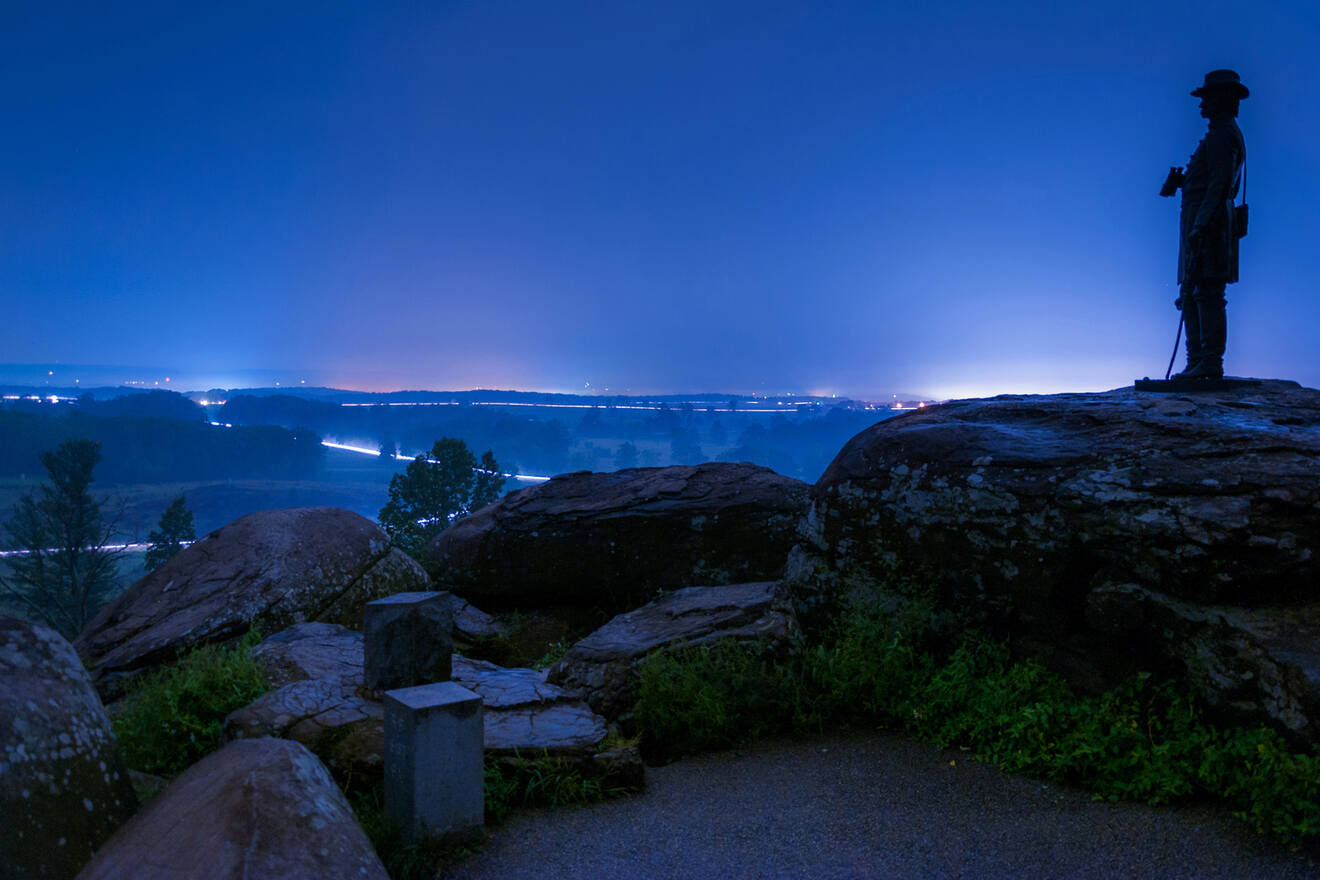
(1213,320)
(1192,324)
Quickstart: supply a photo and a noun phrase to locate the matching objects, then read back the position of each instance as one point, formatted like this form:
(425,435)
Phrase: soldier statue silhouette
(1210,225)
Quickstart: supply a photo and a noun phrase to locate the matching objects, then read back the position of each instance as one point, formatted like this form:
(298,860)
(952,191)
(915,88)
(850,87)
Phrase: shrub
(175,714)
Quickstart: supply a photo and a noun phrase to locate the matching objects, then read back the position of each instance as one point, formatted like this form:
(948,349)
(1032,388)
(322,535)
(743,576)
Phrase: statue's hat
(1222,81)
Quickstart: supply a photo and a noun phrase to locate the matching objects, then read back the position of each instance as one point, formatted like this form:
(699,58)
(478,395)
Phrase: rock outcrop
(270,569)
(604,666)
(612,540)
(64,788)
(1104,532)
(256,808)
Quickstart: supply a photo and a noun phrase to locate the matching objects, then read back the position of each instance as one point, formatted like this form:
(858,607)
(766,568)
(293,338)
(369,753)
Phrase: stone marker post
(407,640)
(434,782)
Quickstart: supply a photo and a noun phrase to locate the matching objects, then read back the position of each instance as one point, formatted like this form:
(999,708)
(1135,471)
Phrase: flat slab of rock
(1015,508)
(255,808)
(603,667)
(304,711)
(311,650)
(614,539)
(270,569)
(524,713)
(64,788)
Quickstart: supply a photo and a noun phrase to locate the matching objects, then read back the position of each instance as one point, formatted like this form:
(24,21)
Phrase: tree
(66,572)
(626,456)
(436,489)
(172,533)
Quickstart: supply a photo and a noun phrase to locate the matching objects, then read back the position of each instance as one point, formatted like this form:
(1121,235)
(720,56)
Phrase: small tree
(172,533)
(436,489)
(65,572)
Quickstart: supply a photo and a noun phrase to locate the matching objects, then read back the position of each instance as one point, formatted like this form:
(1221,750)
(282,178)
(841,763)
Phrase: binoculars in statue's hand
(1172,182)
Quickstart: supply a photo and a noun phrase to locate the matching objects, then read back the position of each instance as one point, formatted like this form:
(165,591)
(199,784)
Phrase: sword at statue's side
(1173,357)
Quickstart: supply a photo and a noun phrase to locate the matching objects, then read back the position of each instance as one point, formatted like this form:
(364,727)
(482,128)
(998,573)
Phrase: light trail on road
(113,548)
(398,456)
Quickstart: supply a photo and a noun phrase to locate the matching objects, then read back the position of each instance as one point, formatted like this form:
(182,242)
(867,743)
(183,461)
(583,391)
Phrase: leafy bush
(175,714)
(1141,741)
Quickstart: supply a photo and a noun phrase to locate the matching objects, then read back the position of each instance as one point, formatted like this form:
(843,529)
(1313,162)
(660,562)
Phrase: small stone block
(434,778)
(407,640)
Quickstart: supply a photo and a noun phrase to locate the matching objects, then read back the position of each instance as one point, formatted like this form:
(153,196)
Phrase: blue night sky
(945,198)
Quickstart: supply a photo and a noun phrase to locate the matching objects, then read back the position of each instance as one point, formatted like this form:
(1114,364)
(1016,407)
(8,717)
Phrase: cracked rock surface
(1018,507)
(321,701)
(271,569)
(612,540)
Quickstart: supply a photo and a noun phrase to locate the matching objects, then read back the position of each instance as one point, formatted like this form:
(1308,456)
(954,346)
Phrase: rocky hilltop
(1102,532)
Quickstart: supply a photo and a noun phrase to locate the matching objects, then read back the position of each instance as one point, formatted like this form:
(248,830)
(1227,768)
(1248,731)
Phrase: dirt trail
(871,806)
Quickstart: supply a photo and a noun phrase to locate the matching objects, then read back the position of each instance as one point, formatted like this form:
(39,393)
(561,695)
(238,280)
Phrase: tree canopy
(436,489)
(174,531)
(65,572)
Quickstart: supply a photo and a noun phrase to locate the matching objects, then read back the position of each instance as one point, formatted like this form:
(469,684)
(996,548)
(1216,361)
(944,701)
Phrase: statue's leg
(1212,315)
(1192,326)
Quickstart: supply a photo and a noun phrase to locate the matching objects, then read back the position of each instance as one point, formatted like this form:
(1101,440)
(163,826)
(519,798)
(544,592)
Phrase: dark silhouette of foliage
(67,573)
(626,456)
(171,534)
(436,489)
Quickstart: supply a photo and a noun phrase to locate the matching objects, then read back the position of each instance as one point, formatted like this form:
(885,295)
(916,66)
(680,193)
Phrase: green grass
(175,715)
(1143,741)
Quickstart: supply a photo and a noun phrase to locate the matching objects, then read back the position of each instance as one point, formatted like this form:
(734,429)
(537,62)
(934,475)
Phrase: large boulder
(604,666)
(612,540)
(64,788)
(270,569)
(255,808)
(1101,531)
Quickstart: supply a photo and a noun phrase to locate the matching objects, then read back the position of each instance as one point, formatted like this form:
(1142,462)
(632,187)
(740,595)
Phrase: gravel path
(870,805)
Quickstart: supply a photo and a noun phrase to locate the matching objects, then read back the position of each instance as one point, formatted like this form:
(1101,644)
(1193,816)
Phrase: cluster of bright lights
(701,405)
(49,398)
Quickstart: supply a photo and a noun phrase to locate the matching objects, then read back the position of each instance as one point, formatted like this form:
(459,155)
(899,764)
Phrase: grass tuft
(175,715)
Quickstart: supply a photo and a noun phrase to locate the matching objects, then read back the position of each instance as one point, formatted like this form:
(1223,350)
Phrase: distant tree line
(522,437)
(796,443)
(158,450)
